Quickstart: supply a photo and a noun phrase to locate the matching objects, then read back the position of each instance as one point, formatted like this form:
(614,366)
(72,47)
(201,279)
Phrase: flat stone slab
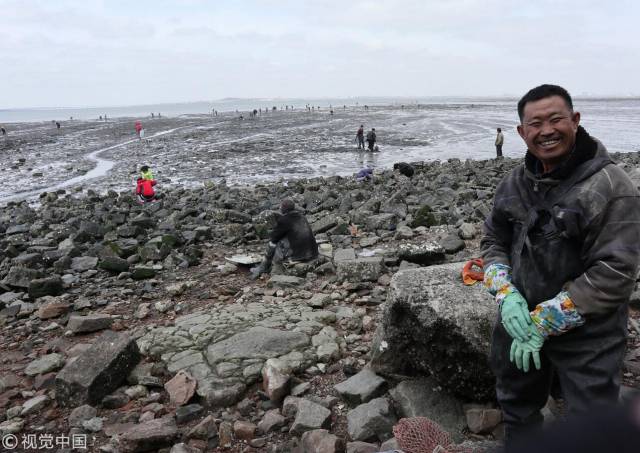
(367,269)
(89,323)
(258,343)
(149,436)
(284,281)
(98,371)
(361,387)
(371,421)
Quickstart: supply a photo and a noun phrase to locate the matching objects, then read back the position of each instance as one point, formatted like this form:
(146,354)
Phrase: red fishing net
(421,435)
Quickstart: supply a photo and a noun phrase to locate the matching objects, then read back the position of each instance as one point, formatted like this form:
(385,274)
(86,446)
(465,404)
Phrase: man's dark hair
(541,92)
(144,168)
(287,205)
(499,130)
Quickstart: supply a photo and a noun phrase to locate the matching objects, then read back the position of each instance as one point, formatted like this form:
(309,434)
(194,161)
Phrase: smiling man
(561,251)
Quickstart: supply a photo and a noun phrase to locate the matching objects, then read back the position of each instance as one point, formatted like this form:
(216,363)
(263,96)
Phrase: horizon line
(319,98)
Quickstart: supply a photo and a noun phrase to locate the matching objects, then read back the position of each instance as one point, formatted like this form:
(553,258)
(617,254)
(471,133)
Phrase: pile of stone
(325,358)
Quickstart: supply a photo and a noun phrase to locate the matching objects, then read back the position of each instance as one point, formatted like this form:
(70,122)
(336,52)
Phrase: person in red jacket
(145,190)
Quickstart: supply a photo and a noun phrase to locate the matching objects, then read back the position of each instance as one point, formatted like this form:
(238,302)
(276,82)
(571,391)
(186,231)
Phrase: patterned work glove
(556,316)
(513,307)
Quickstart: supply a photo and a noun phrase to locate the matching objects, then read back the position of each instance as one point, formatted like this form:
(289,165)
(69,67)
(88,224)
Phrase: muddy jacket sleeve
(611,248)
(281,229)
(498,230)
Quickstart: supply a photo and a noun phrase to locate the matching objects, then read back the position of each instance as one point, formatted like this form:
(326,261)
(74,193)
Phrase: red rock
(53,310)
(181,388)
(244,430)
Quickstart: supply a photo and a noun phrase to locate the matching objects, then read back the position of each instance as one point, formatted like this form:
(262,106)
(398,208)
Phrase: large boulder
(434,325)
(98,371)
(48,286)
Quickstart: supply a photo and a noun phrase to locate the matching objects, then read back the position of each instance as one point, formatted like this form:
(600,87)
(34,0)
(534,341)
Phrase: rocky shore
(125,323)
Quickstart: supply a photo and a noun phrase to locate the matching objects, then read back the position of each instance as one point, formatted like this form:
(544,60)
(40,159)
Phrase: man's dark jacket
(294,226)
(576,228)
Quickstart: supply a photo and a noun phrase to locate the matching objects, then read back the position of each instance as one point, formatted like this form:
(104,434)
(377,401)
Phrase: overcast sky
(101,53)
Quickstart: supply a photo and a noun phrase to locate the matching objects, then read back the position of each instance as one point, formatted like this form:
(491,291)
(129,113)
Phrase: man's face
(549,129)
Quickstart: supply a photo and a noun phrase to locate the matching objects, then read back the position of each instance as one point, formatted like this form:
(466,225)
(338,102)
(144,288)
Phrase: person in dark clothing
(499,142)
(360,137)
(615,429)
(371,139)
(404,169)
(291,239)
(561,254)
(3,130)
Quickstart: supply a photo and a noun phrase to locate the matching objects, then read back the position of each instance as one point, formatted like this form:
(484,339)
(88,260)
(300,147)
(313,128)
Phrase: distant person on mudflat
(4,131)
(138,127)
(360,137)
(57,125)
(499,143)
(291,240)
(371,139)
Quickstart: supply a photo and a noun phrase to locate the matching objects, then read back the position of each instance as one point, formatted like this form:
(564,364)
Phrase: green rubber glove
(522,351)
(515,316)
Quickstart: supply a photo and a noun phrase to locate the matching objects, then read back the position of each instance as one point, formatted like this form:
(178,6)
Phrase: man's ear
(575,118)
(521,131)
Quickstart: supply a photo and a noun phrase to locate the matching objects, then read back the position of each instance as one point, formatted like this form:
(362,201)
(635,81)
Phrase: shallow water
(186,151)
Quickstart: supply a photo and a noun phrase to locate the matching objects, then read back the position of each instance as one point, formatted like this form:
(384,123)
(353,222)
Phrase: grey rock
(324,224)
(276,380)
(344,255)
(45,364)
(424,398)
(98,371)
(319,300)
(84,263)
(48,286)
(81,414)
(467,231)
(184,448)
(256,343)
(385,221)
(310,416)
(34,404)
(93,425)
(367,269)
(7,298)
(284,281)
(141,272)
(89,323)
(452,244)
(321,441)
(184,414)
(149,436)
(425,253)
(445,334)
(391,444)
(113,264)
(361,387)
(362,447)
(20,277)
(271,421)
(371,421)
(483,420)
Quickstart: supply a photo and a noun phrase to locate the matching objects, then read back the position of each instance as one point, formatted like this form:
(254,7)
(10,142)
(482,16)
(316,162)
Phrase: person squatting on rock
(144,185)
(499,142)
(371,138)
(365,174)
(291,239)
(360,137)
(561,254)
